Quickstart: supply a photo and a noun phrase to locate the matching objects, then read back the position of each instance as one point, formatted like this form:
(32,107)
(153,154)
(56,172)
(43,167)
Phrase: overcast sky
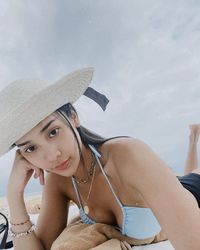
(146,55)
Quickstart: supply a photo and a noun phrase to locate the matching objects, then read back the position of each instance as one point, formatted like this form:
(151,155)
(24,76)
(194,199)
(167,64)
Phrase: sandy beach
(3,201)
(3,208)
(28,197)
(32,201)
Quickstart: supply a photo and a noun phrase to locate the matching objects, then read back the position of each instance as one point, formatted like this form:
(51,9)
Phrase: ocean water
(33,187)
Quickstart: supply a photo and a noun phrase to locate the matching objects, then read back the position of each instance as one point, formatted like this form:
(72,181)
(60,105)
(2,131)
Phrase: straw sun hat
(24,103)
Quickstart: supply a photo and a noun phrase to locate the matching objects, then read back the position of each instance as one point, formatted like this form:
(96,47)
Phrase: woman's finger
(128,246)
(37,172)
(35,175)
(123,247)
(42,177)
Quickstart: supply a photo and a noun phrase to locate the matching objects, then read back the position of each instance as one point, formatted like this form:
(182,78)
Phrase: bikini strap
(76,191)
(97,156)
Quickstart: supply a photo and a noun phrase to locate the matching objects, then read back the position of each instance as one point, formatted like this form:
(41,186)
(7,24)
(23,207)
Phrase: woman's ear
(75,119)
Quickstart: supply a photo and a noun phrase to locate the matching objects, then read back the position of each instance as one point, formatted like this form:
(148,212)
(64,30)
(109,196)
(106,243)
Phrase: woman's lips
(63,165)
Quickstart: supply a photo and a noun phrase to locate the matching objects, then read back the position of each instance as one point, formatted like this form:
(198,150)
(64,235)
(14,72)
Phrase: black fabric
(115,137)
(191,182)
(99,98)
(4,230)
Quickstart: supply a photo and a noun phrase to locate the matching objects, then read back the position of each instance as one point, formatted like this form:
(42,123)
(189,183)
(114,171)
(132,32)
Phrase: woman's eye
(54,132)
(30,149)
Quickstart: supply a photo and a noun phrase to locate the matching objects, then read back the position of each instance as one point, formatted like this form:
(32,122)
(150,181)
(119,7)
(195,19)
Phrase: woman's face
(51,143)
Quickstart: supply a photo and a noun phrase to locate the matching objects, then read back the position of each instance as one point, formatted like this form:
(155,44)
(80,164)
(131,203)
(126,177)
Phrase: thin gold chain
(89,173)
(85,207)
(90,189)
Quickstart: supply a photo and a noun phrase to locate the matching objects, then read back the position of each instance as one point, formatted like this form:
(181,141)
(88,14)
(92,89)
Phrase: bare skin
(191,163)
(126,163)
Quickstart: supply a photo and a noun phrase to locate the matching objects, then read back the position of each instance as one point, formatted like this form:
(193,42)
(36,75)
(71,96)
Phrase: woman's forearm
(19,215)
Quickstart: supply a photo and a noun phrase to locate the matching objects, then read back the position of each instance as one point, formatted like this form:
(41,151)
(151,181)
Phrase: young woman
(118,181)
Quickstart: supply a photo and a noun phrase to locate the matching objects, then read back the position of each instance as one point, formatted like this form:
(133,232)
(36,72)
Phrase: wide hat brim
(21,118)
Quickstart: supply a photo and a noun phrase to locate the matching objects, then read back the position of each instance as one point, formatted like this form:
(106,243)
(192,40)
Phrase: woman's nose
(52,154)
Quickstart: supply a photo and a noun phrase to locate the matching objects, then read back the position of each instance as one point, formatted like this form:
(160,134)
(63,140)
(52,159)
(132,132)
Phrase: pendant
(86,209)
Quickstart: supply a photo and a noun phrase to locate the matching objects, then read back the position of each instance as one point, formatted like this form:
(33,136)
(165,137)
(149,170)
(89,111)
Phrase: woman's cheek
(30,159)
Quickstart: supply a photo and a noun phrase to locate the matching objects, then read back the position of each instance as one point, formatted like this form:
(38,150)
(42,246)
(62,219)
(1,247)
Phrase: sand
(32,203)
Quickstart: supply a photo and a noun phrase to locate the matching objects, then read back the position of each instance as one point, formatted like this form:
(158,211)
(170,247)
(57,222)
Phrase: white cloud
(146,54)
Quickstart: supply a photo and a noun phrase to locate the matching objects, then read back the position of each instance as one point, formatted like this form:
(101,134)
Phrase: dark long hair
(87,136)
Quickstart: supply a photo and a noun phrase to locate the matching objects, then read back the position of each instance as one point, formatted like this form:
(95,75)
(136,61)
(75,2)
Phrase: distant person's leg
(191,179)
(191,163)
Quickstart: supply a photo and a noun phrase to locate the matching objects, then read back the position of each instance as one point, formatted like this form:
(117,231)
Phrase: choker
(89,173)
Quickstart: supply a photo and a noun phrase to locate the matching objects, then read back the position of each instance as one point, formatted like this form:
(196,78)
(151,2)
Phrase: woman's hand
(125,246)
(21,173)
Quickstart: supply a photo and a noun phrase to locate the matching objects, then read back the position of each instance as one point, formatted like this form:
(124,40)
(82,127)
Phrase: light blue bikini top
(138,222)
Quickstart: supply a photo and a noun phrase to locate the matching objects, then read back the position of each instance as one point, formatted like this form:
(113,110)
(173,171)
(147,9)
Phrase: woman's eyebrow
(46,126)
(41,131)
(22,144)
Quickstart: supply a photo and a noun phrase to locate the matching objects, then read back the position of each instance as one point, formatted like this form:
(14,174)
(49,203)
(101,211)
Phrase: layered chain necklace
(91,173)
(85,207)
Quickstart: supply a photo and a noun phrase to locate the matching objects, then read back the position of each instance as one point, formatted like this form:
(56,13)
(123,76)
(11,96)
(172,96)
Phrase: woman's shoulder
(120,151)
(121,147)
(127,154)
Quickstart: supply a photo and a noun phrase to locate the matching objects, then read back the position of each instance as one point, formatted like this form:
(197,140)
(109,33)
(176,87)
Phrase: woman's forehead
(49,119)
(45,121)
